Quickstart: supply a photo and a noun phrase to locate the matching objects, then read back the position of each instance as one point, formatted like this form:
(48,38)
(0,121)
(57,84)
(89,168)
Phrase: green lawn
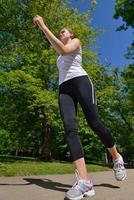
(11,166)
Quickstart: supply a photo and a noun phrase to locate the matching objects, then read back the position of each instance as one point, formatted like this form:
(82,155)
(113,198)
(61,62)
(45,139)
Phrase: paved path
(53,187)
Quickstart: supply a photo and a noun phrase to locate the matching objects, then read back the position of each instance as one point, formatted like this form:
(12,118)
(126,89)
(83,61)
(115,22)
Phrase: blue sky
(111,45)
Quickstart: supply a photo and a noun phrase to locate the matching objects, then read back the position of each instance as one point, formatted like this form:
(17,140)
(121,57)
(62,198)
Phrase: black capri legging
(80,89)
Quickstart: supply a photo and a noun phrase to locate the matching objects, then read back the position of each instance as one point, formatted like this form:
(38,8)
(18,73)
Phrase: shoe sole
(89,194)
(86,194)
(124,177)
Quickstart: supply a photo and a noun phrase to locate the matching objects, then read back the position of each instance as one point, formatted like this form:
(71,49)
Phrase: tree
(28,74)
(125,109)
(125,9)
(29,112)
(22,110)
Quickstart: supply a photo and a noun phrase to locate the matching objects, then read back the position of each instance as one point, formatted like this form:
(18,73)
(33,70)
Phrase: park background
(30,123)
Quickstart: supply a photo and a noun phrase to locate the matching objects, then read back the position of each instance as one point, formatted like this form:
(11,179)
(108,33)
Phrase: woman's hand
(39,21)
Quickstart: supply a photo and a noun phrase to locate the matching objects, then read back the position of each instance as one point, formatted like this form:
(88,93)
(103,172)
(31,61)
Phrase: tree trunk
(108,157)
(46,131)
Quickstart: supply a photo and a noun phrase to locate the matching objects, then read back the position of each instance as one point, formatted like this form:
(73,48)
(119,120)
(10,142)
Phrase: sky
(112,44)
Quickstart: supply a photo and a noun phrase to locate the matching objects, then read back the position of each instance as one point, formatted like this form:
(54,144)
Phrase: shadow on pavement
(44,183)
(52,185)
(107,185)
(48,184)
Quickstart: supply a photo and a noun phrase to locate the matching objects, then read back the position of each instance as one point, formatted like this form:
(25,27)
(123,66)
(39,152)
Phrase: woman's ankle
(116,157)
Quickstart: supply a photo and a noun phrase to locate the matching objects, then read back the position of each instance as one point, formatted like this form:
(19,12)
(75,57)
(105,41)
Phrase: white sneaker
(82,188)
(119,169)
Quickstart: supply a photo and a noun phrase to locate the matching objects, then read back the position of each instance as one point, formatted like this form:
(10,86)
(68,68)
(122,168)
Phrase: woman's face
(65,35)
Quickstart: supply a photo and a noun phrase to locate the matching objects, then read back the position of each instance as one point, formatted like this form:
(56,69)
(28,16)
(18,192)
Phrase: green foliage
(127,109)
(123,109)
(29,114)
(125,10)
(28,74)
(124,103)
(5,141)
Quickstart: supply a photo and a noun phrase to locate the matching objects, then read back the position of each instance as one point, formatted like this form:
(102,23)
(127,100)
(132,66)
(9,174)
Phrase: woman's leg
(114,153)
(86,96)
(83,187)
(81,167)
(68,114)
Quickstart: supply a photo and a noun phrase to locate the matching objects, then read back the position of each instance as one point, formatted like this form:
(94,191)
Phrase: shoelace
(76,184)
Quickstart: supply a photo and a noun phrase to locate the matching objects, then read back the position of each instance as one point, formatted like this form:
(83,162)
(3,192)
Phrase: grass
(15,166)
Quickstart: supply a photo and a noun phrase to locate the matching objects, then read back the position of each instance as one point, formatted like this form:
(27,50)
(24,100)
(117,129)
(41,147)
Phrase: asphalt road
(53,187)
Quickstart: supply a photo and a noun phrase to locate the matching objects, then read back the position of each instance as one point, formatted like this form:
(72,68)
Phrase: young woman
(75,86)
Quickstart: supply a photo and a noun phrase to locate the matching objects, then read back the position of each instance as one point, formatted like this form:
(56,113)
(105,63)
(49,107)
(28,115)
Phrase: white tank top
(70,66)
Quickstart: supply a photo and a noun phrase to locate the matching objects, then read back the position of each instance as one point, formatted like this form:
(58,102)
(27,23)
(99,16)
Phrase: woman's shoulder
(76,40)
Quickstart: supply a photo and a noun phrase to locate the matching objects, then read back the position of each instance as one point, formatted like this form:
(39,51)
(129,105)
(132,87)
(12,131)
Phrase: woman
(75,86)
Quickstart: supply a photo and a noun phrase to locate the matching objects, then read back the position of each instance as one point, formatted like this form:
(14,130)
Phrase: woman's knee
(95,125)
(70,125)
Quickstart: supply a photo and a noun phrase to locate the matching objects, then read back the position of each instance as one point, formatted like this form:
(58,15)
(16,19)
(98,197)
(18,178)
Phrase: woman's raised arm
(61,48)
